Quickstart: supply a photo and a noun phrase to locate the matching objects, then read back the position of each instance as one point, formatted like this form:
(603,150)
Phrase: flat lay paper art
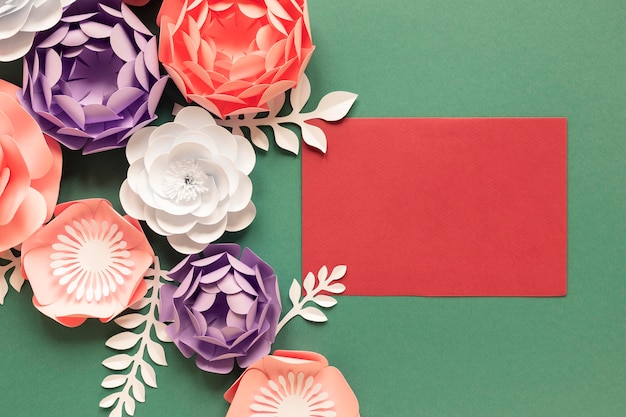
(440,207)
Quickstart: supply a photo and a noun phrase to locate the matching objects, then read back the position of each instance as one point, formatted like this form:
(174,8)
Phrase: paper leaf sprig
(313,287)
(144,324)
(332,107)
(10,271)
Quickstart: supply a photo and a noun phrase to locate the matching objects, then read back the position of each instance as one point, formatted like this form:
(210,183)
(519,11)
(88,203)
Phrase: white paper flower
(21,19)
(188,180)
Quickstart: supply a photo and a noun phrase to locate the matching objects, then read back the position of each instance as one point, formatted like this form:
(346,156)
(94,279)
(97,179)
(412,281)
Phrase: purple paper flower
(225,308)
(93,79)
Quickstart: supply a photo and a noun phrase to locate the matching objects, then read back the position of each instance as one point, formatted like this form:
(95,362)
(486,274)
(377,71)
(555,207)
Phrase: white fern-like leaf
(332,107)
(313,287)
(10,272)
(138,333)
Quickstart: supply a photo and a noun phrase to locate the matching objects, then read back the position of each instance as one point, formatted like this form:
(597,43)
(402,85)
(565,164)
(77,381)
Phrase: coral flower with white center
(88,262)
(292,384)
(188,180)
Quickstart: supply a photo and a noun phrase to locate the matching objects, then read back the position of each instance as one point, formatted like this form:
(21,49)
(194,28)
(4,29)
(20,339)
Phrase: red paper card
(440,207)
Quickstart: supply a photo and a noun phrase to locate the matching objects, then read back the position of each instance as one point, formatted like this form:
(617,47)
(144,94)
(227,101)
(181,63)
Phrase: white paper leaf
(336,288)
(294,292)
(113,381)
(118,362)
(130,321)
(160,329)
(308,282)
(334,106)
(139,391)
(148,374)
(156,353)
(258,138)
(109,400)
(338,272)
(314,136)
(11,271)
(131,387)
(129,406)
(123,341)
(324,301)
(322,274)
(300,95)
(4,288)
(140,304)
(313,314)
(286,139)
(16,279)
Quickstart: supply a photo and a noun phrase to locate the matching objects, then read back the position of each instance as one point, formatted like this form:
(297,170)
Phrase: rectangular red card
(440,207)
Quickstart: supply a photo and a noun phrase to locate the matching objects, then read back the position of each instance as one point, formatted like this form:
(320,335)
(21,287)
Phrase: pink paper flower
(30,171)
(88,262)
(232,57)
(294,384)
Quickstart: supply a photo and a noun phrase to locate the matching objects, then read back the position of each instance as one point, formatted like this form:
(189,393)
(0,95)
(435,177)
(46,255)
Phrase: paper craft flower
(30,171)
(225,310)
(21,19)
(294,384)
(232,57)
(189,180)
(93,79)
(88,262)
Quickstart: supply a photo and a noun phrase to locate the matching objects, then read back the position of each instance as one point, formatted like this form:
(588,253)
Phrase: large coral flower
(30,171)
(232,57)
(294,384)
(87,262)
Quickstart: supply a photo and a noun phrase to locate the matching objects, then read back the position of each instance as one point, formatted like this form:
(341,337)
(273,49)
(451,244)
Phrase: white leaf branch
(332,107)
(325,283)
(123,400)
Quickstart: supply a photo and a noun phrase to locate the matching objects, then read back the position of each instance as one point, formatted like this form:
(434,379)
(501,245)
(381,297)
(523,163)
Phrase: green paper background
(406,356)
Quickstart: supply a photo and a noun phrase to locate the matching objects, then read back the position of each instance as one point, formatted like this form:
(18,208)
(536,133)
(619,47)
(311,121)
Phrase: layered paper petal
(232,57)
(292,383)
(30,171)
(88,262)
(226,308)
(93,79)
(189,180)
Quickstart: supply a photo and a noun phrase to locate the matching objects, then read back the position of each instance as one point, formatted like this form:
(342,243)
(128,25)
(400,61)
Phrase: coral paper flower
(225,308)
(189,180)
(294,384)
(93,79)
(88,262)
(21,19)
(30,171)
(232,57)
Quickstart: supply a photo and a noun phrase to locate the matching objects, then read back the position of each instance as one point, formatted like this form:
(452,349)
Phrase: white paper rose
(188,179)
(21,19)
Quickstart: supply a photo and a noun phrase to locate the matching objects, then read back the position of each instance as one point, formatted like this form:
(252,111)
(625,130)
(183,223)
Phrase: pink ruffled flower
(88,262)
(30,171)
(232,57)
(294,384)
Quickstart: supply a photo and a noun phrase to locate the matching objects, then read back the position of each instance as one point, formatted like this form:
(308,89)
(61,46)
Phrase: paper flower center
(185,181)
(90,259)
(234,46)
(293,396)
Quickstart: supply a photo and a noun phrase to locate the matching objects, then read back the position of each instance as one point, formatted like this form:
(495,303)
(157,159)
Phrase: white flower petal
(240,220)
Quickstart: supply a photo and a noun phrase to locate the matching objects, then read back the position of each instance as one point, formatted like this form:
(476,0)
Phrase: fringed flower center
(185,181)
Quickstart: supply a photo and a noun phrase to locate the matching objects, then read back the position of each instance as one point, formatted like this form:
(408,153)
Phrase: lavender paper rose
(93,79)
(225,310)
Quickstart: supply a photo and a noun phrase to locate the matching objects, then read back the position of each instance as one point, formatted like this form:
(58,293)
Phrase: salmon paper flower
(88,262)
(93,79)
(188,179)
(21,19)
(294,384)
(30,171)
(233,56)
(226,308)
